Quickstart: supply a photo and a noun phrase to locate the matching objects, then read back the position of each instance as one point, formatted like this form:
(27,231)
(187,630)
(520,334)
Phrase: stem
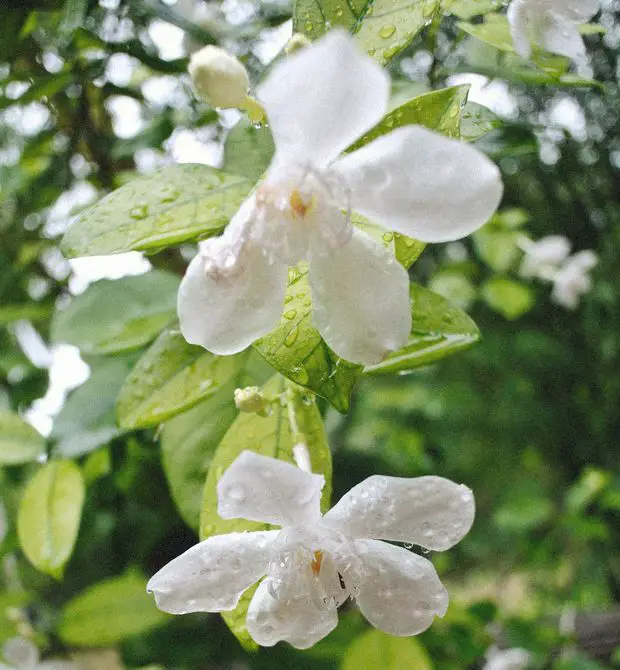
(301,453)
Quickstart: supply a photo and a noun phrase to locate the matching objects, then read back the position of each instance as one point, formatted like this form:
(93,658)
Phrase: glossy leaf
(297,350)
(113,316)
(478,121)
(88,418)
(171,377)
(269,436)
(248,150)
(467,9)
(508,297)
(188,442)
(375,649)
(382,28)
(49,516)
(178,204)
(19,441)
(439,329)
(438,110)
(109,612)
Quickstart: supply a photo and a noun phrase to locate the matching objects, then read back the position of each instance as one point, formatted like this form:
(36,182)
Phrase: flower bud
(219,78)
(251,400)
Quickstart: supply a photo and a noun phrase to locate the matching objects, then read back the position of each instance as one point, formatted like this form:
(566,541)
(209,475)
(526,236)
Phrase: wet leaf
(508,297)
(248,150)
(49,516)
(19,441)
(178,204)
(171,377)
(375,649)
(439,329)
(119,315)
(297,350)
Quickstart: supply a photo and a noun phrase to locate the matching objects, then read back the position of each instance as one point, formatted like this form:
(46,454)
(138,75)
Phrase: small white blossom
(543,258)
(318,102)
(573,280)
(550,24)
(219,78)
(314,563)
(21,654)
(507,659)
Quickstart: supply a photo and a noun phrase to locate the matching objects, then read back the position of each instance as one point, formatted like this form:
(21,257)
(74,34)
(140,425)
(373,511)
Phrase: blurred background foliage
(93,91)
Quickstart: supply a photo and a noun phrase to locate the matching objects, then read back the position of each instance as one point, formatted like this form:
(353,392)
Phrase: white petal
(422,184)
(300,622)
(561,36)
(212,576)
(360,297)
(265,489)
(401,593)
(518,19)
(231,293)
(322,98)
(432,512)
(59,665)
(577,11)
(20,653)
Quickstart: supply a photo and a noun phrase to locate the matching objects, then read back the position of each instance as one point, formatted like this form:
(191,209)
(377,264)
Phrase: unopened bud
(251,399)
(219,78)
(298,41)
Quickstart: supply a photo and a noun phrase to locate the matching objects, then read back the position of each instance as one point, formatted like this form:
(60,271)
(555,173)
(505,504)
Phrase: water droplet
(290,314)
(387,32)
(291,338)
(139,212)
(236,492)
(308,27)
(388,237)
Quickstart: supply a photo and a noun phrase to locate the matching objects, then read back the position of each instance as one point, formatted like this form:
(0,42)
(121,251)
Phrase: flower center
(316,562)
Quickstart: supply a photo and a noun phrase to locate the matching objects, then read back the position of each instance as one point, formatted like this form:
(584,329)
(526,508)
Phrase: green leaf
(109,612)
(269,436)
(297,350)
(375,649)
(19,441)
(88,418)
(498,248)
(439,329)
(119,315)
(248,150)
(171,377)
(478,121)
(438,110)
(407,250)
(12,20)
(508,297)
(73,15)
(49,516)
(188,442)
(467,9)
(382,28)
(183,203)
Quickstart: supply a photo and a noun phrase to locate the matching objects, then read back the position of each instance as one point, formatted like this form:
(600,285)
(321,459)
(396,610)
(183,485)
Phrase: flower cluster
(315,563)
(318,102)
(550,24)
(549,259)
(20,654)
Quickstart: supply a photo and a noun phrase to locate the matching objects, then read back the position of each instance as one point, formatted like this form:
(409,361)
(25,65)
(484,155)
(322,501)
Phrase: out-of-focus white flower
(543,258)
(507,659)
(318,102)
(219,78)
(316,562)
(21,654)
(573,280)
(550,24)
(3,522)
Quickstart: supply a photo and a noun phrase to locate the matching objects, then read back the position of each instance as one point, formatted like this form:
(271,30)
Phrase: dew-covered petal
(519,21)
(232,293)
(360,297)
(58,665)
(212,575)
(432,512)
(560,36)
(400,593)
(300,621)
(422,184)
(577,11)
(322,98)
(259,488)
(20,653)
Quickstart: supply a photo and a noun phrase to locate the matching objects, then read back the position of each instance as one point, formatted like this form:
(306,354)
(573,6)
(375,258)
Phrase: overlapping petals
(314,564)
(319,101)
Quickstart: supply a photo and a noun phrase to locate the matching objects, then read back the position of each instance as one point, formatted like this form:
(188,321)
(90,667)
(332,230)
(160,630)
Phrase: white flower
(543,258)
(507,659)
(3,522)
(21,654)
(315,563)
(551,25)
(318,102)
(573,279)
(219,78)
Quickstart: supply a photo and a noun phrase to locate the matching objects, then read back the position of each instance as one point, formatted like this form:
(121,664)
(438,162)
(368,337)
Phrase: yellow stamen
(299,206)
(316,563)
